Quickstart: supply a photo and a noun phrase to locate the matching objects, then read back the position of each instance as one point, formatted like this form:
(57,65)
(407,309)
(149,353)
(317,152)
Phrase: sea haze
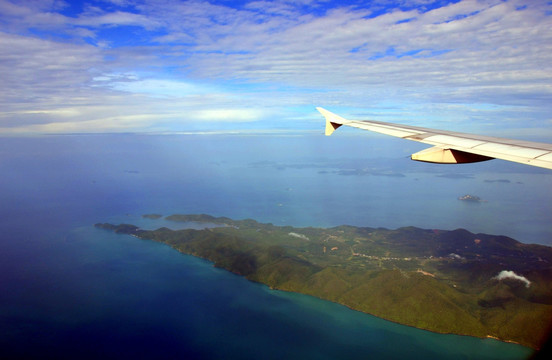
(71,290)
(300,181)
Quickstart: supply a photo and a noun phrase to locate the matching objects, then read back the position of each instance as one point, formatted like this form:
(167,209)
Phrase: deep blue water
(69,290)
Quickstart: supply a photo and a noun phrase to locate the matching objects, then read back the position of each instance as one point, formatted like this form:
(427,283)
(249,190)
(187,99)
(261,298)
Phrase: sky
(171,66)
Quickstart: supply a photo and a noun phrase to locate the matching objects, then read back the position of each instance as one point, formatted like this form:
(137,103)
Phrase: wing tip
(333,121)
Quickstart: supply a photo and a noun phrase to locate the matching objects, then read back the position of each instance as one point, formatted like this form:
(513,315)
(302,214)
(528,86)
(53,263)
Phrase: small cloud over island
(507,274)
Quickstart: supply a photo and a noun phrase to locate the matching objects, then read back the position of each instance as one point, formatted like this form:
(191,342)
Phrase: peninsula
(443,281)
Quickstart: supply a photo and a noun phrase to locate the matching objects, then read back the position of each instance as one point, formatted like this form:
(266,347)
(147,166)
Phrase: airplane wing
(451,147)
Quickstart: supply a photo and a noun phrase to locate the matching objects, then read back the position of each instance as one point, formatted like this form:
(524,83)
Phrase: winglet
(333,121)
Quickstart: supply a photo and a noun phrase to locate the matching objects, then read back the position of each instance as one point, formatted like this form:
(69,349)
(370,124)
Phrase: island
(446,281)
(152,216)
(469,197)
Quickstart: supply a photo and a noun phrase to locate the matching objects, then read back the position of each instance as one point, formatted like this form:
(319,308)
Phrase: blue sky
(165,66)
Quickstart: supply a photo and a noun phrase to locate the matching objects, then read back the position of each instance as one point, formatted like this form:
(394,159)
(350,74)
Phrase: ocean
(69,290)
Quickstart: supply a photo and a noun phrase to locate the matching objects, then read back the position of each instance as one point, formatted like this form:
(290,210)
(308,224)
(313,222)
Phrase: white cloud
(227,114)
(31,14)
(506,274)
(436,66)
(157,87)
(117,18)
(35,71)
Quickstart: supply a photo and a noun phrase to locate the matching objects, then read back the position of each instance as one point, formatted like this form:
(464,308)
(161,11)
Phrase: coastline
(354,309)
(191,243)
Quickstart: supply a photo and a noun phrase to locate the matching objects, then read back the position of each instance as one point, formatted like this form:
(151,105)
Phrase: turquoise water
(70,290)
(97,294)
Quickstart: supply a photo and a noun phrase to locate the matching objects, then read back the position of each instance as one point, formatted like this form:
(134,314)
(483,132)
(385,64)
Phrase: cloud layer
(170,65)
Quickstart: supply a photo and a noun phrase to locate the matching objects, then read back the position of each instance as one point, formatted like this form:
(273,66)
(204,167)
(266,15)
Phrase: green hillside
(443,281)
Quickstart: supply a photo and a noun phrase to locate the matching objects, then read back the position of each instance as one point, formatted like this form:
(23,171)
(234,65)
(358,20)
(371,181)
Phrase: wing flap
(512,150)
